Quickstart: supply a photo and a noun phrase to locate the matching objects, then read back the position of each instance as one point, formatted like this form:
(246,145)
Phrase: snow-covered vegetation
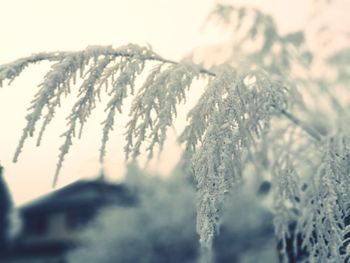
(267,111)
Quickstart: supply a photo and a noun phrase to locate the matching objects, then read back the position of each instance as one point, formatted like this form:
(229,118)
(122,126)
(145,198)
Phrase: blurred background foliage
(162,226)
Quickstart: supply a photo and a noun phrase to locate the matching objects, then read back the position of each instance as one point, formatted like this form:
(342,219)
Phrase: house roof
(81,193)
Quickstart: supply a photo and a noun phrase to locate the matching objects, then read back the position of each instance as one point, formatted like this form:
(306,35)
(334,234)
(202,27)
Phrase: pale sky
(30,26)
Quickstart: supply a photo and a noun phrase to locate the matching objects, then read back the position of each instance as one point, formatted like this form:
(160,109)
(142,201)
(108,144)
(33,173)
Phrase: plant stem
(313,133)
(117,53)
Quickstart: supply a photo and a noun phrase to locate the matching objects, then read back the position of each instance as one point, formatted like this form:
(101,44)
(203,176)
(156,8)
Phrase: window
(36,224)
(79,218)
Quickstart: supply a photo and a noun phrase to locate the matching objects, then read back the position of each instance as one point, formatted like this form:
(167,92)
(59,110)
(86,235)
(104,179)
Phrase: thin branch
(309,130)
(12,70)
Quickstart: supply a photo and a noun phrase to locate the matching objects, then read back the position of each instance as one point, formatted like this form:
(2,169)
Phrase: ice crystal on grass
(229,116)
(121,88)
(12,70)
(323,223)
(312,211)
(286,200)
(91,65)
(232,130)
(223,129)
(154,107)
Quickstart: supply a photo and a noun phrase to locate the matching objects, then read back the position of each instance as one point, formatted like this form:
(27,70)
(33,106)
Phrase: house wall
(57,230)
(33,260)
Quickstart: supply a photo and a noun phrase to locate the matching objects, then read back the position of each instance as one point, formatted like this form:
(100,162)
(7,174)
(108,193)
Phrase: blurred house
(54,223)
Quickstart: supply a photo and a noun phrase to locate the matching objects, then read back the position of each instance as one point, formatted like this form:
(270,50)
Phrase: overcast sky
(29,26)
